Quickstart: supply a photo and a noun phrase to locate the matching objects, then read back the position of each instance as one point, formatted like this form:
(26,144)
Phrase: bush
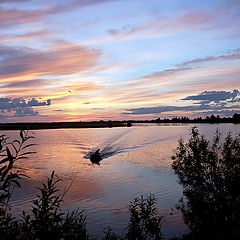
(145,223)
(210,176)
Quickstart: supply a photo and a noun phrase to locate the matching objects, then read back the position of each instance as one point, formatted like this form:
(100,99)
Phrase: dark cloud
(9,103)
(208,102)
(22,112)
(21,107)
(220,112)
(58,110)
(162,109)
(215,96)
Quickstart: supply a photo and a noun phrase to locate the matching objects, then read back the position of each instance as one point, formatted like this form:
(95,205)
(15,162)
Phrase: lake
(137,161)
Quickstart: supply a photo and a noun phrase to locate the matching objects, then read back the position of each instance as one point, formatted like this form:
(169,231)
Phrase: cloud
(24,84)
(162,109)
(227,113)
(13,1)
(23,112)
(233,55)
(208,102)
(21,107)
(14,16)
(215,97)
(186,69)
(60,59)
(223,16)
(26,36)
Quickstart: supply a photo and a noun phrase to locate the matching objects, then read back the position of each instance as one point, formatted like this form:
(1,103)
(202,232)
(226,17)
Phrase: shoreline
(99,124)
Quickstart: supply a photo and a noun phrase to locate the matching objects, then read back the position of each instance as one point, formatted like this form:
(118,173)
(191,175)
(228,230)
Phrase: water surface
(137,161)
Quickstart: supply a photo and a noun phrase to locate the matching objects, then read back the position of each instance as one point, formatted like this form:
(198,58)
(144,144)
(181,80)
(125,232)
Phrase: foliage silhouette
(109,235)
(10,152)
(210,176)
(144,223)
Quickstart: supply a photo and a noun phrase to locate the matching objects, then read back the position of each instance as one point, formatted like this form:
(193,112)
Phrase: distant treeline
(103,124)
(208,119)
(55,125)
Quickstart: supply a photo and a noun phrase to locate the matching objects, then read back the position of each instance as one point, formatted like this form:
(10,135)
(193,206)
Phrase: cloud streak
(207,103)
(14,16)
(201,19)
(60,59)
(24,37)
(234,55)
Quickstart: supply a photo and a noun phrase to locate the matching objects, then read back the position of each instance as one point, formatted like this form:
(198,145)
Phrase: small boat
(96,157)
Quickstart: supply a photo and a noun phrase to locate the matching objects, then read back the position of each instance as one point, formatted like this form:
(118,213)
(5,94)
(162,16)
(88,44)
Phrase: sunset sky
(80,60)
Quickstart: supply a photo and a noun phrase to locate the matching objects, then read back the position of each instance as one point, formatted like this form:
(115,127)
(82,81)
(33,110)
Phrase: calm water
(137,162)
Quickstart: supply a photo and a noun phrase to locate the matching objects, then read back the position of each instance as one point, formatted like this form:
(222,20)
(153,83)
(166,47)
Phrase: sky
(87,60)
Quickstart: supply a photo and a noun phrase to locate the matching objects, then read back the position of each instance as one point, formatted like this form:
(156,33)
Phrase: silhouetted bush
(10,152)
(145,223)
(210,176)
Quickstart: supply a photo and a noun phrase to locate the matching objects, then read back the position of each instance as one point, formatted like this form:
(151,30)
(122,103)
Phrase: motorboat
(96,157)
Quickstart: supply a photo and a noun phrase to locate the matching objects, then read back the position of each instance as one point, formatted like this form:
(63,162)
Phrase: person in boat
(96,157)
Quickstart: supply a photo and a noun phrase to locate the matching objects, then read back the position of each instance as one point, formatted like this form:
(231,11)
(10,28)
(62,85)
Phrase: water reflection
(137,161)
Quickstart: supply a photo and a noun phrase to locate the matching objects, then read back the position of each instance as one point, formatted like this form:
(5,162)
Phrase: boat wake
(121,144)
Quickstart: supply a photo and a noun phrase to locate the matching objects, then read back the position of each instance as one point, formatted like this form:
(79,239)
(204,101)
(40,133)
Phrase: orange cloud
(29,35)
(61,59)
(43,89)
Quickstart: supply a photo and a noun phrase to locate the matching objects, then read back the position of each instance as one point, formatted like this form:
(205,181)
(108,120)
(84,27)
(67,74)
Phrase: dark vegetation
(210,176)
(208,119)
(105,124)
(208,172)
(56,125)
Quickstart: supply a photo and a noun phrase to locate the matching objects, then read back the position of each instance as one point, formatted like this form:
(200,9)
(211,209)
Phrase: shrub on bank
(210,175)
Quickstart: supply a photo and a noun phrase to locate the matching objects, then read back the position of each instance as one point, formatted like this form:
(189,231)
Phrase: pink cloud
(60,59)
